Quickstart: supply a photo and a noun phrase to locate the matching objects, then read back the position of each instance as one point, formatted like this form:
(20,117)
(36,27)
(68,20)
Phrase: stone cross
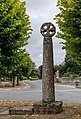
(48,31)
(48,105)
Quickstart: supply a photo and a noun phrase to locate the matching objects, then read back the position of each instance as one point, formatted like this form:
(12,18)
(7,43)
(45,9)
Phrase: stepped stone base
(38,108)
(21,110)
(48,108)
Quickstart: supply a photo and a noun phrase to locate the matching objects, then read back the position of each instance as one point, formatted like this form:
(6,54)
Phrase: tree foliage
(70,67)
(35,71)
(69,22)
(40,71)
(15,30)
(25,66)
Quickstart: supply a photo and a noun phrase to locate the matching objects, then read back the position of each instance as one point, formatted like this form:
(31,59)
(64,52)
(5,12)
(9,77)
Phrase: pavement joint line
(72,86)
(77,90)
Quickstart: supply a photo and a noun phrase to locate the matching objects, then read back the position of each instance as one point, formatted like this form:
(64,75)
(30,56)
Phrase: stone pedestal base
(21,110)
(48,108)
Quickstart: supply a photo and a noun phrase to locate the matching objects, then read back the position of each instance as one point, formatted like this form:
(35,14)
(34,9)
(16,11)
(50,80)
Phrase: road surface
(63,93)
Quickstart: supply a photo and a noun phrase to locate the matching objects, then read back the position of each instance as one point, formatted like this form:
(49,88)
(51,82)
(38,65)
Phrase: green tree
(70,67)
(25,66)
(15,30)
(40,71)
(35,72)
(69,22)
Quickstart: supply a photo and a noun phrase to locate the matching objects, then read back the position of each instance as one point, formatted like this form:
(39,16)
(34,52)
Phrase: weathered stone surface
(48,95)
(5,112)
(48,29)
(21,110)
(48,104)
(48,108)
(48,72)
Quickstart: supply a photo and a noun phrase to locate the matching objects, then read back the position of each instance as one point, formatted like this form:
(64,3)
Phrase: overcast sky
(41,11)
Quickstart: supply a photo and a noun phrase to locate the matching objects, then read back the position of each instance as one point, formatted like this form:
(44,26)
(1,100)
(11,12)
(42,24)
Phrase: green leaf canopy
(15,30)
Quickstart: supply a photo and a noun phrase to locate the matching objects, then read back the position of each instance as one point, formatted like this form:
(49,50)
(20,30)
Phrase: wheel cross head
(48,29)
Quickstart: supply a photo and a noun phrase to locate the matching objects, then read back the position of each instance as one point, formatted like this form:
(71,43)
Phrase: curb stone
(15,88)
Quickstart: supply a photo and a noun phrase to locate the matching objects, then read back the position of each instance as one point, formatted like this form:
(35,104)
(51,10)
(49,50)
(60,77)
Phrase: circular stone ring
(48,29)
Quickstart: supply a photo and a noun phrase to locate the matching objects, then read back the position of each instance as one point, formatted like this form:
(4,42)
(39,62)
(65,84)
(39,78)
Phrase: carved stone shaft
(48,104)
(48,71)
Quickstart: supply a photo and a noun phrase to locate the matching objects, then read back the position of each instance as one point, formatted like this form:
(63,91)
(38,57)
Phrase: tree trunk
(0,80)
(13,81)
(17,81)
